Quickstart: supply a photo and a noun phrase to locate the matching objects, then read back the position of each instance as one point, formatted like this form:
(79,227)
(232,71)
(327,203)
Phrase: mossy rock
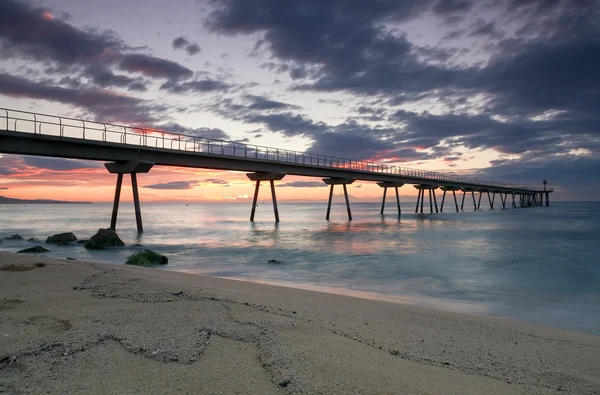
(104,238)
(147,258)
(61,238)
(36,249)
(13,237)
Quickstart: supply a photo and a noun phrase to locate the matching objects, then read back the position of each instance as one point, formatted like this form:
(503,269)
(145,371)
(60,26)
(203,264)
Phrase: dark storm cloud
(303,184)
(343,44)
(107,106)
(57,164)
(205,85)
(174,185)
(28,32)
(154,67)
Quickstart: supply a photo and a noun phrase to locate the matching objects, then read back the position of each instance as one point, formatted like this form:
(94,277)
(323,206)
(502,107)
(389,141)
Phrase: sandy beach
(82,327)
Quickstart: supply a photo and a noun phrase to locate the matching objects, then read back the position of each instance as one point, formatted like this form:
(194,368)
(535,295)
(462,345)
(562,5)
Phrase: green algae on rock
(147,258)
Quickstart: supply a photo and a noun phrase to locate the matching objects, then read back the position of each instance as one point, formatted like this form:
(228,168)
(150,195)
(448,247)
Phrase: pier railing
(23,121)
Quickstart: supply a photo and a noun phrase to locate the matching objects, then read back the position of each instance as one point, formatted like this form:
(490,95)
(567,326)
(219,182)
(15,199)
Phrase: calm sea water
(540,265)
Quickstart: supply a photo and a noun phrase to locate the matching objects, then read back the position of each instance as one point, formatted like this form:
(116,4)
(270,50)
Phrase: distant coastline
(6,200)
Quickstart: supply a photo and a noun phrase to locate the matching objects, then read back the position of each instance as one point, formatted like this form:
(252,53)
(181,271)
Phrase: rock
(82,241)
(34,240)
(33,250)
(61,238)
(71,259)
(63,244)
(147,258)
(104,238)
(273,262)
(39,264)
(13,237)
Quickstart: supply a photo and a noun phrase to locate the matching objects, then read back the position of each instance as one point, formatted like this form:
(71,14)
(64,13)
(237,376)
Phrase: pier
(136,150)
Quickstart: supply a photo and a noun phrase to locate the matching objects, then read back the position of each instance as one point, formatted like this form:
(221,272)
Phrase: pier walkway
(133,150)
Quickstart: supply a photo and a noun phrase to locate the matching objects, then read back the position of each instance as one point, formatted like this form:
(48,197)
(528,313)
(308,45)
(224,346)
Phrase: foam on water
(539,265)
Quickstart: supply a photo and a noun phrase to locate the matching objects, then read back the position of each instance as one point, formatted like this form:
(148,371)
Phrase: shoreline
(156,331)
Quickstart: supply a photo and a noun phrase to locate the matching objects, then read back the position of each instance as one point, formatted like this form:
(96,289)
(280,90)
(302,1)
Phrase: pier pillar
(547,198)
(132,168)
(449,189)
(421,197)
(265,176)
(473,195)
(479,201)
(343,182)
(136,203)
(462,204)
(385,186)
(115,211)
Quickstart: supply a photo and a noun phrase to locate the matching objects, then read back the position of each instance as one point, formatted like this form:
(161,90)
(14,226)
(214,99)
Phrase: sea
(539,265)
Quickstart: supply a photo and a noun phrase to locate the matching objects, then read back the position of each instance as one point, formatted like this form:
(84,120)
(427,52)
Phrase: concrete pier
(385,186)
(421,197)
(132,168)
(338,181)
(265,176)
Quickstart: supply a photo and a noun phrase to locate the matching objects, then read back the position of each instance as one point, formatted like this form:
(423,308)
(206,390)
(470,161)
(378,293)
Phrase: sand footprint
(49,324)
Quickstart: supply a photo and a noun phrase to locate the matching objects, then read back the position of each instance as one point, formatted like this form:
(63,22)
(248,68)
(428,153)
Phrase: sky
(507,90)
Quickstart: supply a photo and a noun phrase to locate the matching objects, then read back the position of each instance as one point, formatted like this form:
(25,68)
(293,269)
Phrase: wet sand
(80,327)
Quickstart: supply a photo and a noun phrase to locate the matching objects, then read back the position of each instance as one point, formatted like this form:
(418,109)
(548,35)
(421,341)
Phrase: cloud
(28,33)
(205,85)
(214,181)
(57,164)
(303,184)
(262,103)
(180,42)
(105,105)
(154,67)
(183,43)
(210,133)
(193,49)
(3,188)
(174,185)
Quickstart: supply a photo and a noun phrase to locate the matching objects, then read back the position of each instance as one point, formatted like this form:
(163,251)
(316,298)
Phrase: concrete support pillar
(479,201)
(421,197)
(547,198)
(132,168)
(455,201)
(395,185)
(254,201)
(513,201)
(474,203)
(136,203)
(462,204)
(343,182)
(443,198)
(265,176)
(115,211)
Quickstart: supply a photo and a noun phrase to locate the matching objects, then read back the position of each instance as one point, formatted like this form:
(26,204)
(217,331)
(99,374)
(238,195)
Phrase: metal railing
(24,121)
